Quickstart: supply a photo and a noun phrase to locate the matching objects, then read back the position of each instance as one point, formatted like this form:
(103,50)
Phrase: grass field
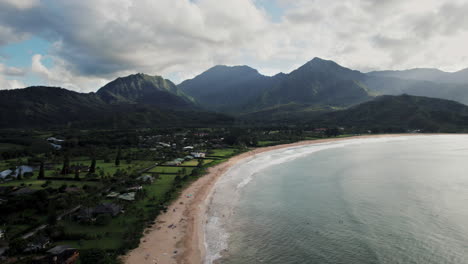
(222,152)
(36,184)
(163,170)
(9,146)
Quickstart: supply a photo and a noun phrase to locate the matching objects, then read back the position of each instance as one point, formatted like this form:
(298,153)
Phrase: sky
(83,44)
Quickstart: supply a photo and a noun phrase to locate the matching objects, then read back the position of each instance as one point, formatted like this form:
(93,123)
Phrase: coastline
(178,235)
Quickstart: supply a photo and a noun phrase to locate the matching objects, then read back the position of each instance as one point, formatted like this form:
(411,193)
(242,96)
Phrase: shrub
(103,220)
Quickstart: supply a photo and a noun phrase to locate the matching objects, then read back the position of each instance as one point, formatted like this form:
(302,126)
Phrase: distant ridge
(241,88)
(407,112)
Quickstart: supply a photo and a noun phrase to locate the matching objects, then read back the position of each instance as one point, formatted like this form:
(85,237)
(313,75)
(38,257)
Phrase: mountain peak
(319,63)
(143,88)
(238,69)
(330,69)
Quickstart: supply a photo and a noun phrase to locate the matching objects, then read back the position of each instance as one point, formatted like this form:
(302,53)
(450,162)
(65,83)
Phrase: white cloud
(21,4)
(59,75)
(6,83)
(97,40)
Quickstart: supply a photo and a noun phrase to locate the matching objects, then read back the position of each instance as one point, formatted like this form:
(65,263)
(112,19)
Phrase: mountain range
(319,90)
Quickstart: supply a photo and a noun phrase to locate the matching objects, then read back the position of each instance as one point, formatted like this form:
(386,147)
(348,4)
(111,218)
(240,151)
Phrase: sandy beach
(177,236)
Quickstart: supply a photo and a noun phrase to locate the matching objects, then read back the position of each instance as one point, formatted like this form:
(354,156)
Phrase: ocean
(374,200)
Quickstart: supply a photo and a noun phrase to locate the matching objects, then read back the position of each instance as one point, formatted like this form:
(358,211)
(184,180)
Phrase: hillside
(52,107)
(46,106)
(426,74)
(145,89)
(404,111)
(318,83)
(227,89)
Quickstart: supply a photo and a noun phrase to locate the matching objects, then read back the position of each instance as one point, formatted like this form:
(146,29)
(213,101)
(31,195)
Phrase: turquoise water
(392,200)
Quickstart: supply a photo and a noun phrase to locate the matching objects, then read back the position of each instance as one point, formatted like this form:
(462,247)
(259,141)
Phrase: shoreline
(178,235)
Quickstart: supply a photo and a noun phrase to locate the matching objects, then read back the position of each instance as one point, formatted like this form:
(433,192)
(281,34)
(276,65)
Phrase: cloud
(6,72)
(11,71)
(20,4)
(59,75)
(94,41)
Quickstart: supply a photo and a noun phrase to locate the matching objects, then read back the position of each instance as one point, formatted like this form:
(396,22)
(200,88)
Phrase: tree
(41,171)
(77,172)
(20,174)
(117,158)
(66,165)
(200,163)
(92,168)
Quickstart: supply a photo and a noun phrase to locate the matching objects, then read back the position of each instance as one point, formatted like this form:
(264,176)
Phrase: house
(111,209)
(23,191)
(146,178)
(113,195)
(4,174)
(198,154)
(85,215)
(127,196)
(187,148)
(37,244)
(62,254)
(188,157)
(56,146)
(175,162)
(23,169)
(135,188)
(164,144)
(88,214)
(55,140)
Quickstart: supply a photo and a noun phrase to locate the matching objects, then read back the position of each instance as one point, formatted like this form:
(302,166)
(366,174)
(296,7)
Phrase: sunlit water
(393,200)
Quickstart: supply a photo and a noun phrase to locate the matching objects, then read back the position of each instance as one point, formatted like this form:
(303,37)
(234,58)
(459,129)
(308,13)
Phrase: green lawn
(195,162)
(222,152)
(36,184)
(9,146)
(163,170)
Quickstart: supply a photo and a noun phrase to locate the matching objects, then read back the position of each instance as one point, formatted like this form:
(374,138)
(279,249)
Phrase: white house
(55,140)
(56,146)
(4,174)
(24,169)
(164,144)
(198,154)
(188,148)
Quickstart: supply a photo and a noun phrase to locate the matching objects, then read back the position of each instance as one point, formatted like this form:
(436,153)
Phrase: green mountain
(145,89)
(426,74)
(402,112)
(318,83)
(46,106)
(52,107)
(226,89)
